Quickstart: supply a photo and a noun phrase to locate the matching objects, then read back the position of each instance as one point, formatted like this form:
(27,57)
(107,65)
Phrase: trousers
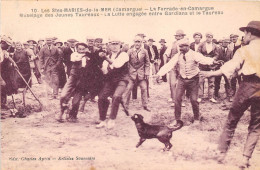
(114,89)
(248,94)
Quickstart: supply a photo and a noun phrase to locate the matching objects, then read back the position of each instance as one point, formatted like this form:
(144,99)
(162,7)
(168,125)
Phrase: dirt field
(24,141)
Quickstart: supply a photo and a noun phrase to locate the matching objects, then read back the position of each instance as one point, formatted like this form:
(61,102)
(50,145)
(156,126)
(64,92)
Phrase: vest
(117,74)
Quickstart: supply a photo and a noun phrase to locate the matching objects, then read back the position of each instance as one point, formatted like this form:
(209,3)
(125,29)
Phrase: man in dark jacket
(50,59)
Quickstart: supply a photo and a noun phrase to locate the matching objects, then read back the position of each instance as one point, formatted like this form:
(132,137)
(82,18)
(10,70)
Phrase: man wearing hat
(61,68)
(75,85)
(67,51)
(197,36)
(115,68)
(50,58)
(7,68)
(173,74)
(245,61)
(36,67)
(224,54)
(162,56)
(234,45)
(139,71)
(98,43)
(208,49)
(188,79)
(153,55)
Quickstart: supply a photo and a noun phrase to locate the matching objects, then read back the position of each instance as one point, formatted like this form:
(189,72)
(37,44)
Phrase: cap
(197,33)
(209,34)
(34,42)
(99,40)
(255,25)
(72,40)
(184,41)
(112,39)
(179,32)
(7,39)
(151,40)
(162,41)
(81,43)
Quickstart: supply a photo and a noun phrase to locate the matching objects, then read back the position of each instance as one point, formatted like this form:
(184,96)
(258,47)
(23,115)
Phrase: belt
(194,77)
(250,78)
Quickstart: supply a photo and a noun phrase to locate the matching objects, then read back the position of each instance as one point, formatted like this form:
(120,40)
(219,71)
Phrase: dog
(162,133)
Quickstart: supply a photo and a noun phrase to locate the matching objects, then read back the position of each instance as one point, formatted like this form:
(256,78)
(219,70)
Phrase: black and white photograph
(130,85)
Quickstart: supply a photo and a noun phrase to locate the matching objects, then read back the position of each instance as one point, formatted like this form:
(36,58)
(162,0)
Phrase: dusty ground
(40,136)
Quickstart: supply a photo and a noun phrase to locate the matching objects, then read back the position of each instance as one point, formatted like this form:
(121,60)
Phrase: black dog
(162,133)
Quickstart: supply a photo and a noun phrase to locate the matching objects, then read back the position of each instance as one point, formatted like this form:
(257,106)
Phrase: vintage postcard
(71,72)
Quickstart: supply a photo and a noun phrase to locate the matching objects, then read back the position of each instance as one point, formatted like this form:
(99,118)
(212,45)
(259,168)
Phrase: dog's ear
(141,116)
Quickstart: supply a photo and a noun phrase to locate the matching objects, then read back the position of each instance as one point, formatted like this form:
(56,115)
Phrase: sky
(236,14)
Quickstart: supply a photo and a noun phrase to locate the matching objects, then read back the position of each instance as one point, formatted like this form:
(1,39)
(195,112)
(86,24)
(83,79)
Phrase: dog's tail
(179,125)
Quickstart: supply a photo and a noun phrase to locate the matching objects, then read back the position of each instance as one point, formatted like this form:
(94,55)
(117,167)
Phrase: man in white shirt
(188,79)
(115,69)
(246,61)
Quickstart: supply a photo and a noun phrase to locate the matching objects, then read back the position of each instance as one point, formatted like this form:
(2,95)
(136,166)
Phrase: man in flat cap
(115,68)
(50,58)
(197,36)
(188,80)
(173,74)
(67,51)
(163,59)
(98,43)
(208,49)
(245,61)
(139,71)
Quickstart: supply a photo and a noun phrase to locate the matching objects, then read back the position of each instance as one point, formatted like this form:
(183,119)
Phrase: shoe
(174,124)
(213,100)
(221,157)
(146,108)
(101,124)
(173,104)
(245,163)
(183,105)
(4,107)
(53,97)
(170,100)
(199,100)
(196,122)
(111,124)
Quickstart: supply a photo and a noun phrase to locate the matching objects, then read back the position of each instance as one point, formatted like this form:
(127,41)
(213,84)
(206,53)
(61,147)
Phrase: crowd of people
(86,71)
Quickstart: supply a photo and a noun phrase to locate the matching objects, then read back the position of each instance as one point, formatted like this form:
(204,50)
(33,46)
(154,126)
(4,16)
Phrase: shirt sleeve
(233,65)
(75,57)
(167,67)
(120,60)
(104,67)
(199,58)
